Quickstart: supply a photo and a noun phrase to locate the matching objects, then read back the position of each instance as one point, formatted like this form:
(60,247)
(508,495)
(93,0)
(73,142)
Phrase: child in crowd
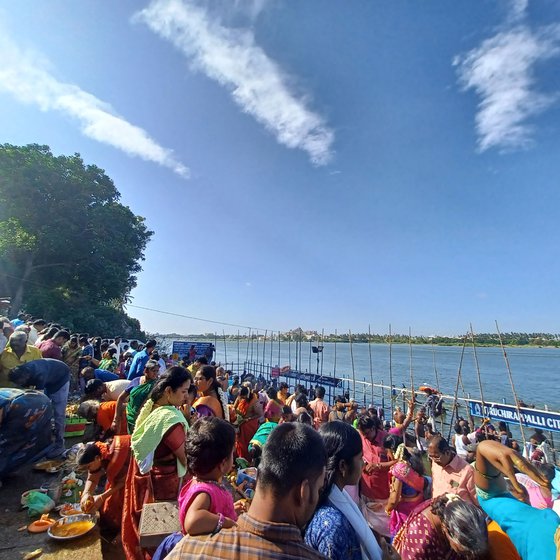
(205,505)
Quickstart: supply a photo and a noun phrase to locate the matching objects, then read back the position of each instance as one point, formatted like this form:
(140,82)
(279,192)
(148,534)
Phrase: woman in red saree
(249,410)
(158,465)
(111,460)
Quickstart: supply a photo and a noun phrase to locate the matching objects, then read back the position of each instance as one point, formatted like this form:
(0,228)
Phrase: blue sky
(315,164)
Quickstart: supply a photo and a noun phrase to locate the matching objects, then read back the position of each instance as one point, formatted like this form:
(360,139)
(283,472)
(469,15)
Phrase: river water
(535,370)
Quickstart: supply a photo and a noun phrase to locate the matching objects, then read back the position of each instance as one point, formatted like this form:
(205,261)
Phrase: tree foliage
(69,250)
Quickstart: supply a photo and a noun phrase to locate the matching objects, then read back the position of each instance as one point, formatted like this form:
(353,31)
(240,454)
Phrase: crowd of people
(334,480)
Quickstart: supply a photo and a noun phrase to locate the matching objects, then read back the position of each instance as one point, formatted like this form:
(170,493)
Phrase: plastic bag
(37,503)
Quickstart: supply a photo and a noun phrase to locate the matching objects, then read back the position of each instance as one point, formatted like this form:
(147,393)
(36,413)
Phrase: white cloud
(26,77)
(518,9)
(231,56)
(502,72)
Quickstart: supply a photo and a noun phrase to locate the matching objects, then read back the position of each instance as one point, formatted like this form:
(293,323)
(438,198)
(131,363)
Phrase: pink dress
(412,494)
(536,497)
(220,499)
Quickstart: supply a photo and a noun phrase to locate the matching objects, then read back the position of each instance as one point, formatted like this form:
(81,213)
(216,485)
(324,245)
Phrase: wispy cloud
(231,56)
(517,9)
(26,76)
(502,72)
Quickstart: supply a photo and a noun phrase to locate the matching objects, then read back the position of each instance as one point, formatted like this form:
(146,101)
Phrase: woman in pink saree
(407,487)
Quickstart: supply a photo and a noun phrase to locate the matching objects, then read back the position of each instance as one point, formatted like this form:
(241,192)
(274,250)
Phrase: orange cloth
(117,469)
(500,545)
(106,414)
(247,429)
(160,484)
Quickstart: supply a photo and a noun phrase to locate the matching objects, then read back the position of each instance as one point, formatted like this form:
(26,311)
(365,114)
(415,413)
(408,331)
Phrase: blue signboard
(183,347)
(313,378)
(532,418)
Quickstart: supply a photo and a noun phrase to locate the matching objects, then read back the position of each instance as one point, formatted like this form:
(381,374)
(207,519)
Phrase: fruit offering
(71,488)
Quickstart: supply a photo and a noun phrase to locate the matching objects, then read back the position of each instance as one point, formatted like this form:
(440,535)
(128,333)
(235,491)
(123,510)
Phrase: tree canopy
(69,250)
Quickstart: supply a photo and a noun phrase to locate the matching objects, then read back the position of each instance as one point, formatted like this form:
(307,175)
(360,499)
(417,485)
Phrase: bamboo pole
(271,348)
(335,338)
(215,342)
(264,346)
(251,342)
(278,348)
(517,405)
(457,388)
(391,370)
(297,363)
(479,377)
(238,351)
(323,350)
(225,345)
(257,351)
(437,378)
(290,350)
(353,370)
(370,362)
(410,360)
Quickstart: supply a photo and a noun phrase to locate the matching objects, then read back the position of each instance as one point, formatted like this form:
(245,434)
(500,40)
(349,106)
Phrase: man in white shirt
(117,346)
(106,390)
(36,327)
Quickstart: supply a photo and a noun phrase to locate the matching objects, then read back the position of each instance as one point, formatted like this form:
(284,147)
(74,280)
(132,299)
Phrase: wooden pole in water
(391,370)
(437,378)
(335,337)
(278,348)
(370,363)
(216,341)
(479,378)
(297,363)
(323,350)
(300,354)
(264,346)
(310,352)
(252,345)
(238,352)
(225,346)
(257,358)
(248,342)
(410,360)
(353,370)
(457,388)
(517,405)
(271,346)
(290,350)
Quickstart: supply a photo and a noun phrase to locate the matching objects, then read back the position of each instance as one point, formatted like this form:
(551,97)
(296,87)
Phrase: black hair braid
(332,466)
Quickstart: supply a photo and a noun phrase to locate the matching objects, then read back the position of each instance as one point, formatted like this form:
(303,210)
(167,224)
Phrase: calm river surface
(535,370)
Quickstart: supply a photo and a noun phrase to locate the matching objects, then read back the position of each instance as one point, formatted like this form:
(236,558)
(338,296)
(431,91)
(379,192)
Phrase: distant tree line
(481,339)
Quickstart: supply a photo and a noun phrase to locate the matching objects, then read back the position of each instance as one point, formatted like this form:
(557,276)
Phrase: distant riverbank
(514,340)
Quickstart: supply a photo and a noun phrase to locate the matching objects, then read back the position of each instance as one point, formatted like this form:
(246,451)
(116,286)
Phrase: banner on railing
(183,348)
(532,418)
(314,378)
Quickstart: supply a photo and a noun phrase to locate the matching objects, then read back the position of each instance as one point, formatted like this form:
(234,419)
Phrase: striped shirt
(250,540)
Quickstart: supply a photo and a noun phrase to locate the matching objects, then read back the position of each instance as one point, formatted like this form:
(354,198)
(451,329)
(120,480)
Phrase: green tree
(68,248)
